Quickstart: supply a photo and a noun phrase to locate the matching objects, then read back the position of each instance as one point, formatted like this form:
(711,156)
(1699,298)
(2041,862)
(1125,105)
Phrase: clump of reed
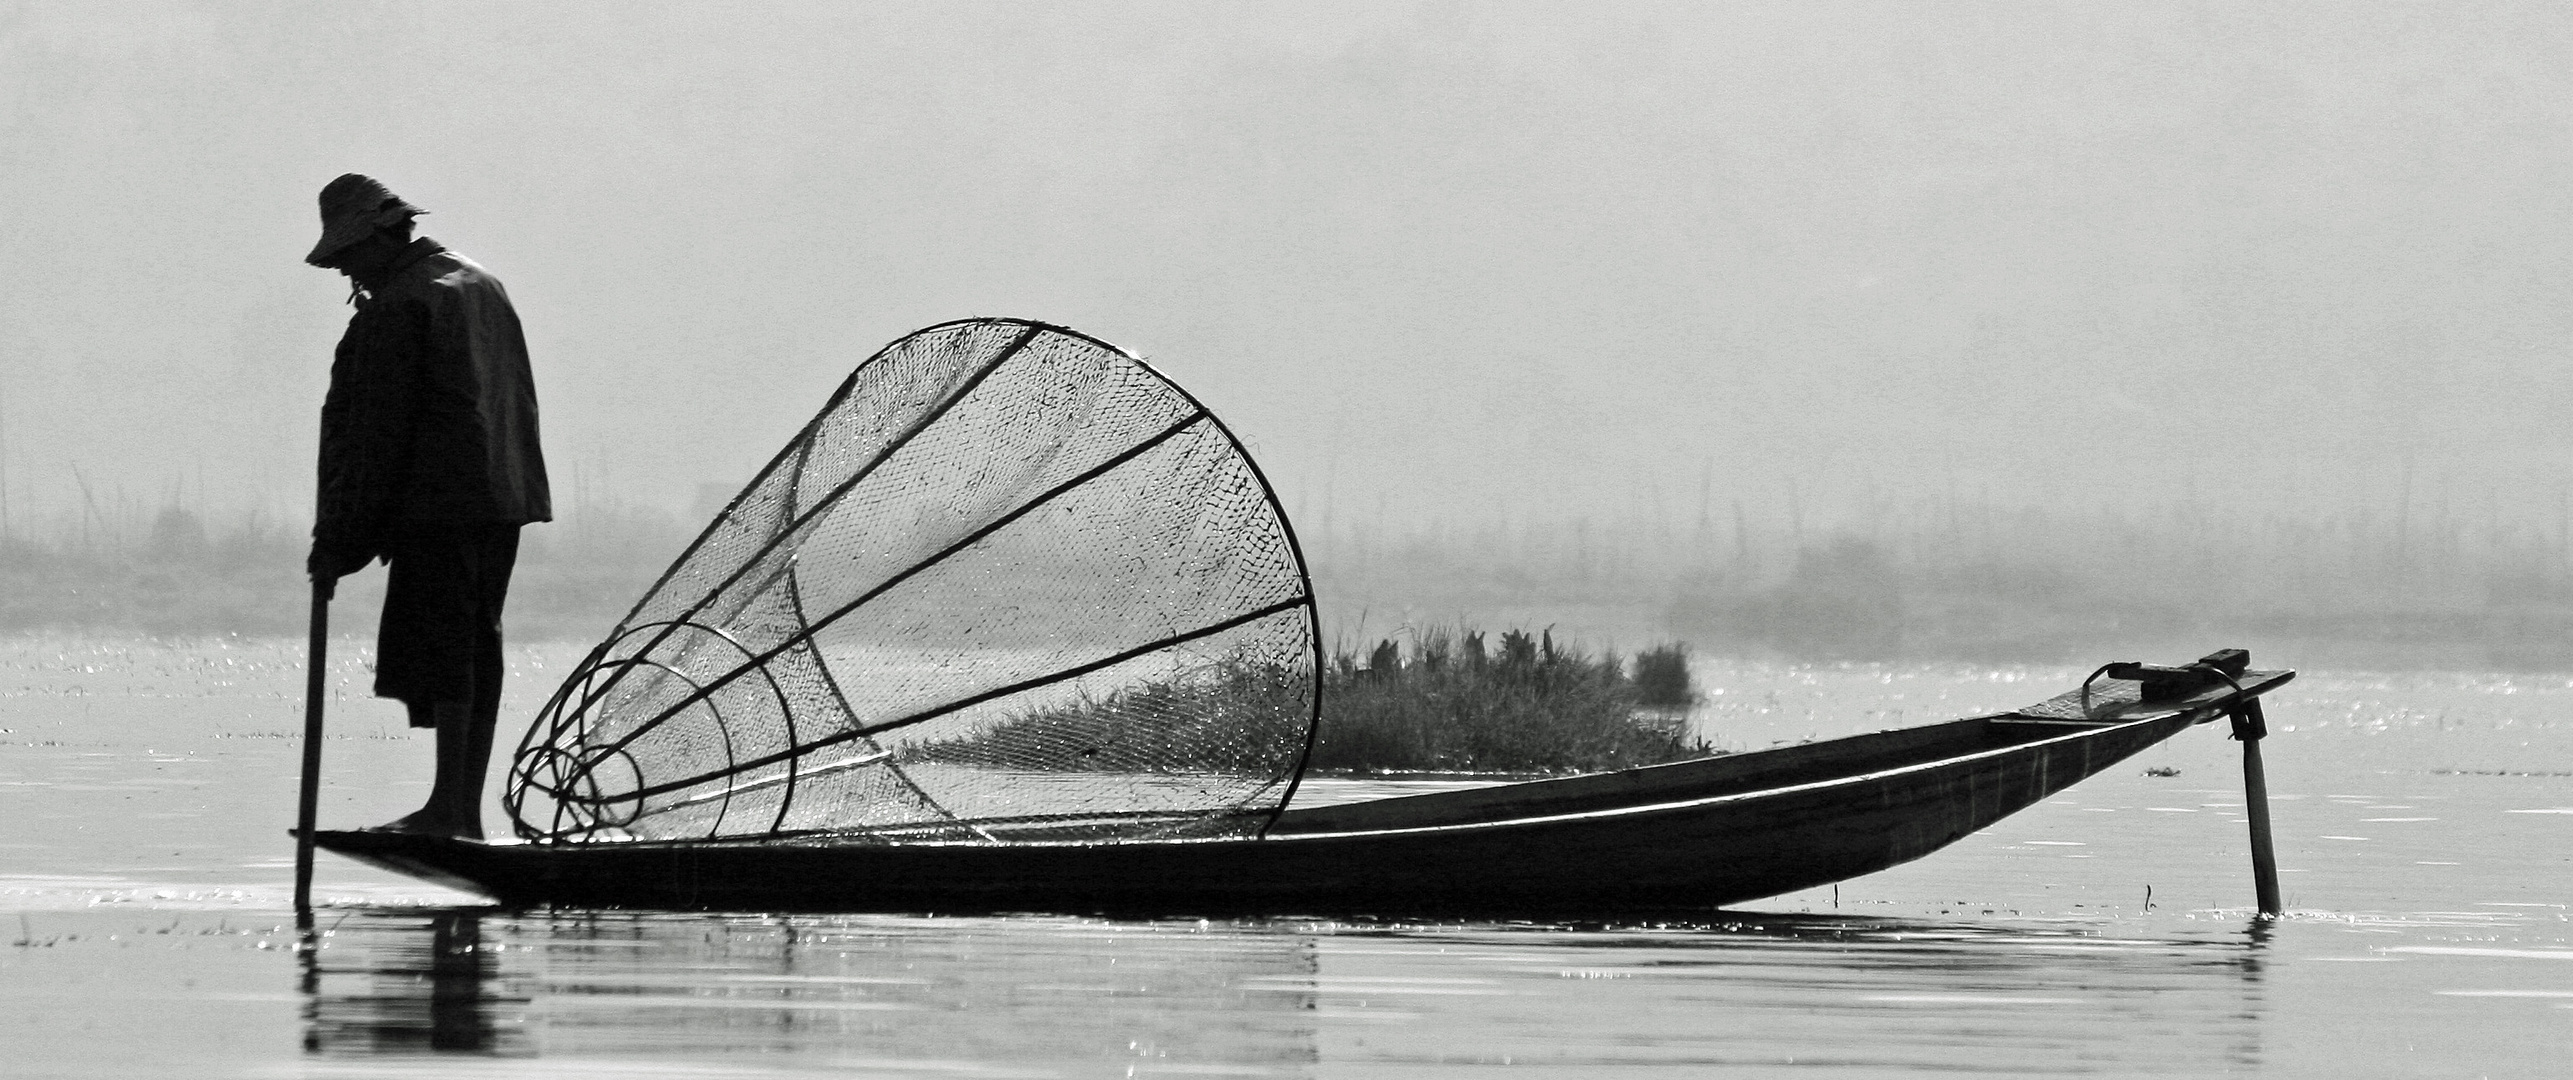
(1530,704)
(1527,704)
(1233,716)
(1662,678)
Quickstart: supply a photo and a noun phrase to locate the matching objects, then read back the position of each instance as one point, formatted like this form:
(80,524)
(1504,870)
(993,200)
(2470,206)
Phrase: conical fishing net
(1010,585)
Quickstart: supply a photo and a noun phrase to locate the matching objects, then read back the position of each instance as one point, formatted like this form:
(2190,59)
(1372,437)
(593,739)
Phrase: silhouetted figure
(430,462)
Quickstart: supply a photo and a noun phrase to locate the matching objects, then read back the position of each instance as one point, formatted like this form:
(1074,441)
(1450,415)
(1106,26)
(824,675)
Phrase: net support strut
(961,704)
(819,506)
(813,627)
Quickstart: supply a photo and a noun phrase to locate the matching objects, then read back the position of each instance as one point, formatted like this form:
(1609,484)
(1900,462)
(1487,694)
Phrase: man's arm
(367,422)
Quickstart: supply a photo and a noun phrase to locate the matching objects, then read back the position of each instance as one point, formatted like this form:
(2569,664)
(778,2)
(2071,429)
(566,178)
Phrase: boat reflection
(1071,996)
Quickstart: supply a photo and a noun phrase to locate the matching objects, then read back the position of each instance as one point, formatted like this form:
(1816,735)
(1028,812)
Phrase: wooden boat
(1694,834)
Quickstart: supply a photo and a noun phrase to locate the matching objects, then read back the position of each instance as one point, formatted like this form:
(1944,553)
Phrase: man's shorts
(440,636)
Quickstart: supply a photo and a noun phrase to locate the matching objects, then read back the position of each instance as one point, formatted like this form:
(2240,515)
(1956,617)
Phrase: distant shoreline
(2067,592)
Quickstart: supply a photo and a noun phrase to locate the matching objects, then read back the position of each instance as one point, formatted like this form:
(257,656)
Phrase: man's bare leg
(465,725)
(455,794)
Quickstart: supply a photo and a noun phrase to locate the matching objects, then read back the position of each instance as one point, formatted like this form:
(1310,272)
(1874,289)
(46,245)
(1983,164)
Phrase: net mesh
(1010,585)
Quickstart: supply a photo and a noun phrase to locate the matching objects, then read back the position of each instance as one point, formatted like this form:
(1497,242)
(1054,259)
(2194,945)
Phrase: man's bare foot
(426,822)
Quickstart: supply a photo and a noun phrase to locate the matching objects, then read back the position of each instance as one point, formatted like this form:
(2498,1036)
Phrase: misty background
(1844,331)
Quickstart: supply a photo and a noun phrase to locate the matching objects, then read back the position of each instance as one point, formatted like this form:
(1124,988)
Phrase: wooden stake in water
(314,662)
(2250,727)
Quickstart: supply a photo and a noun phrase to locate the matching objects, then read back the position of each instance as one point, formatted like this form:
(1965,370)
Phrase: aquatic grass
(1662,678)
(1237,717)
(1530,705)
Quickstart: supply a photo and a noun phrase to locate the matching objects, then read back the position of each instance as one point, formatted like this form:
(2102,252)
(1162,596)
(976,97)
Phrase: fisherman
(429,461)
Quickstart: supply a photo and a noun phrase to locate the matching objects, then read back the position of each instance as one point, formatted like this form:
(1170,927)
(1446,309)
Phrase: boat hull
(1691,835)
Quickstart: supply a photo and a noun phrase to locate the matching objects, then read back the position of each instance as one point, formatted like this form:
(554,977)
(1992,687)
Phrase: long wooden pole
(2250,727)
(315,661)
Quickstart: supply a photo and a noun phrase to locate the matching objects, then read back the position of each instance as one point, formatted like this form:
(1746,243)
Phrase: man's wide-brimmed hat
(353,206)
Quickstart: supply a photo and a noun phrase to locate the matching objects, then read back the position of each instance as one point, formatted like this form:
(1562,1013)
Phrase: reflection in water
(420,982)
(1083,997)
(887,990)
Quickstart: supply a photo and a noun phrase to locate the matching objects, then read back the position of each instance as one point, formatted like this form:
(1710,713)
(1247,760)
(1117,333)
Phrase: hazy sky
(1432,261)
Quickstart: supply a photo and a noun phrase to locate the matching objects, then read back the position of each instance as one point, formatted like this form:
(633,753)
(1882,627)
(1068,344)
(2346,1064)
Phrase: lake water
(2425,833)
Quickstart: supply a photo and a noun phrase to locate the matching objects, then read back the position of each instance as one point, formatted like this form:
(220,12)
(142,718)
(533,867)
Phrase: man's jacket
(431,415)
